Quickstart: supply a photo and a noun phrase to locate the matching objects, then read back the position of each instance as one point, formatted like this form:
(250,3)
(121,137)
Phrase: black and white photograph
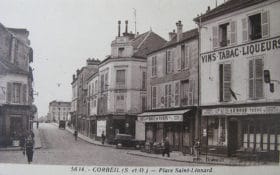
(139,87)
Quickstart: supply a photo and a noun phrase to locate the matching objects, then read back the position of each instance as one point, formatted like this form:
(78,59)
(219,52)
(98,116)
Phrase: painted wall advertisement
(101,126)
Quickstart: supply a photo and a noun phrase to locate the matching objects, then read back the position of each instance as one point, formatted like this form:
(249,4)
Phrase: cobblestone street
(60,148)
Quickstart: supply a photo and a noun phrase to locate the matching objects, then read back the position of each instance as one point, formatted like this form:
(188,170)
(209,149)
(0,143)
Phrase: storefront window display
(261,134)
(217,131)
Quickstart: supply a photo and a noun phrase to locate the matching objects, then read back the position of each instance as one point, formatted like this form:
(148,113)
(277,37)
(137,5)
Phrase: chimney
(74,77)
(171,35)
(179,30)
(126,26)
(119,28)
(208,9)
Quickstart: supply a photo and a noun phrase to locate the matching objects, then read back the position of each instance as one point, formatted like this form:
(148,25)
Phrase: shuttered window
(184,93)
(16,93)
(168,97)
(265,24)
(225,82)
(144,79)
(215,36)
(181,62)
(169,62)
(177,93)
(154,66)
(244,29)
(24,92)
(9,92)
(191,92)
(106,80)
(233,36)
(256,78)
(154,97)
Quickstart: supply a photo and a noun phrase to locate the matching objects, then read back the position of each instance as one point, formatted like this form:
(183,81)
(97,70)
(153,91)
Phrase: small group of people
(28,144)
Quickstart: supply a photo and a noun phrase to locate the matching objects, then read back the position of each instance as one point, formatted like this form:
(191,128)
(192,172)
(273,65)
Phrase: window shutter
(187,56)
(233,32)
(265,24)
(172,60)
(259,78)
(227,82)
(245,29)
(164,64)
(190,93)
(215,36)
(177,93)
(165,95)
(9,92)
(24,89)
(251,79)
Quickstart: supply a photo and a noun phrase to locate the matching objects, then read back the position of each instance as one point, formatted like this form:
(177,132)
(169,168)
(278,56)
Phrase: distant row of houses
(218,83)
(16,85)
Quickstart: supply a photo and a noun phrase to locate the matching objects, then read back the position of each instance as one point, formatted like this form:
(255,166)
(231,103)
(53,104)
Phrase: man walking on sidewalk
(76,134)
(166,147)
(29,148)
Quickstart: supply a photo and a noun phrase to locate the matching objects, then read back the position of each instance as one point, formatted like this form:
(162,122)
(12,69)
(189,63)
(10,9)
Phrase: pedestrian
(166,147)
(29,148)
(103,137)
(37,124)
(76,134)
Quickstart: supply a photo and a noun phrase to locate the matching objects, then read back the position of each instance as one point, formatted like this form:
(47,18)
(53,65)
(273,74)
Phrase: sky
(65,33)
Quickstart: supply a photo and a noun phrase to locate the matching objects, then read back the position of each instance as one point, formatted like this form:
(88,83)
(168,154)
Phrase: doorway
(232,137)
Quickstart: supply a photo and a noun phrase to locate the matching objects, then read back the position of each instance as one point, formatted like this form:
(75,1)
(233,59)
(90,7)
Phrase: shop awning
(164,116)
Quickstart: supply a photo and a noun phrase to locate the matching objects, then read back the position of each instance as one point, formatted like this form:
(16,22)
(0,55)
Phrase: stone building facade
(59,110)
(172,94)
(16,91)
(240,108)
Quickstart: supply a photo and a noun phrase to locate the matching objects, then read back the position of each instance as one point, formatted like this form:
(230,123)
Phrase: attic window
(120,52)
(255,26)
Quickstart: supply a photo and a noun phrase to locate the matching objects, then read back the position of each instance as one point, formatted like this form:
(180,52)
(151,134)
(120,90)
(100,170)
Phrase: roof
(227,7)
(147,42)
(7,67)
(188,35)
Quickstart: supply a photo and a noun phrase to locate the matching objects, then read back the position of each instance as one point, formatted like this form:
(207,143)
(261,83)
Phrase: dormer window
(120,51)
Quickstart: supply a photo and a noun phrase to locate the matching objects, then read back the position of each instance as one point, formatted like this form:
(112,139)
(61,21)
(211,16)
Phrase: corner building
(240,113)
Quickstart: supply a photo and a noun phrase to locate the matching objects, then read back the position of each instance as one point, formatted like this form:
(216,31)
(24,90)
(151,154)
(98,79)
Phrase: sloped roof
(147,42)
(227,7)
(188,35)
(7,67)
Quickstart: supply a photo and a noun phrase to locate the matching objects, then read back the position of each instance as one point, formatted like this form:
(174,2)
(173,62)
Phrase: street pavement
(58,147)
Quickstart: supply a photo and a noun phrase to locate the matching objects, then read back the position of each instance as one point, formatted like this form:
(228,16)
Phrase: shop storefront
(230,130)
(115,124)
(177,126)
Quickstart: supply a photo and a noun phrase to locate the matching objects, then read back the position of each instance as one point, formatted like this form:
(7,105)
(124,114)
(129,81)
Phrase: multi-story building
(240,109)
(122,82)
(59,110)
(79,111)
(16,92)
(93,88)
(172,93)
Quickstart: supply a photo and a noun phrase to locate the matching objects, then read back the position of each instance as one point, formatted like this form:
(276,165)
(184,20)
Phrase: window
(16,93)
(256,78)
(144,79)
(89,90)
(169,62)
(184,93)
(255,27)
(121,52)
(223,34)
(225,82)
(167,99)
(120,78)
(154,97)
(102,83)
(144,103)
(217,131)
(177,93)
(182,56)
(120,102)
(154,66)
(106,81)
(96,86)
(191,92)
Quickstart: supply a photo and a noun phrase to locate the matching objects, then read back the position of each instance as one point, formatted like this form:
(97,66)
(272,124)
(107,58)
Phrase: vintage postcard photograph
(139,87)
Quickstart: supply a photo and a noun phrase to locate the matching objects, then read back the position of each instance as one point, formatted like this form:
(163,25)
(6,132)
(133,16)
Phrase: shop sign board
(242,110)
(161,118)
(242,50)
(101,126)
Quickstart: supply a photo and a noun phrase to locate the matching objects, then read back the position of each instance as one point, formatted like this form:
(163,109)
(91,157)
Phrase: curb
(199,162)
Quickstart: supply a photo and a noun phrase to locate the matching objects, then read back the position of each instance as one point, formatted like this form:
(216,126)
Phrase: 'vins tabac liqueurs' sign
(242,50)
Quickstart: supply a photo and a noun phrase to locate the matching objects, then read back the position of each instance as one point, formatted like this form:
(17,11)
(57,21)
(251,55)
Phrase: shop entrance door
(232,137)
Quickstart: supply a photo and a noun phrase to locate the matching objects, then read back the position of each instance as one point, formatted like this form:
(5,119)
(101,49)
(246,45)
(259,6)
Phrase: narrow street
(60,148)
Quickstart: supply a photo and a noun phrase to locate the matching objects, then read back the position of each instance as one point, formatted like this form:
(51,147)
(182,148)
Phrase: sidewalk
(37,140)
(85,138)
(211,160)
